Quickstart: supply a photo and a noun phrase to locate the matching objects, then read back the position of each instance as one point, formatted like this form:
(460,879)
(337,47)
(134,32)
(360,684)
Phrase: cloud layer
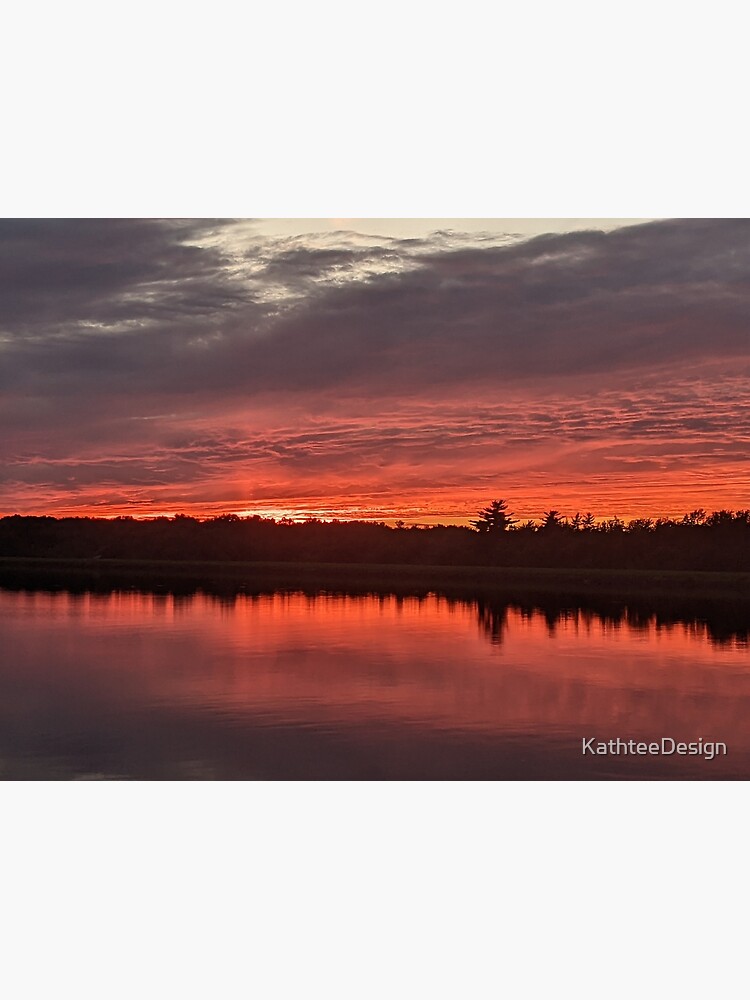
(166,365)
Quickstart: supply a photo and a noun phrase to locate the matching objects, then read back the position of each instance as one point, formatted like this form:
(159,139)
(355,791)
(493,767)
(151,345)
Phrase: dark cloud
(57,273)
(657,294)
(141,306)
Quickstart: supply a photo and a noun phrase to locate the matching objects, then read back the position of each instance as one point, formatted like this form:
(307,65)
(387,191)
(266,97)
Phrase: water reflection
(720,623)
(311,685)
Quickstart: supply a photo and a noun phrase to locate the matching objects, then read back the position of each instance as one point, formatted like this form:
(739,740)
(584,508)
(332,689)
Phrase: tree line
(496,518)
(698,541)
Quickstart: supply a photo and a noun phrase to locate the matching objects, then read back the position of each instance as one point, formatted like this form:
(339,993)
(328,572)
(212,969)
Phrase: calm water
(284,685)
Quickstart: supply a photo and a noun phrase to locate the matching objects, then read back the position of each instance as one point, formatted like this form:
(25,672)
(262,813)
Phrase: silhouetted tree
(641,524)
(720,518)
(494,518)
(695,517)
(552,519)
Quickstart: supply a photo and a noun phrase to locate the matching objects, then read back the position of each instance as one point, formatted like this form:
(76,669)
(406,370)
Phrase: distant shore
(707,585)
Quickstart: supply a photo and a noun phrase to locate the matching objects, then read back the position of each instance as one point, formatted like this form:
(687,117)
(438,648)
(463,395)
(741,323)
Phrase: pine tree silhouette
(494,518)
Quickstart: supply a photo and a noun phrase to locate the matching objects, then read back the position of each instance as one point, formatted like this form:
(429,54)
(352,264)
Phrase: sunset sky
(381,368)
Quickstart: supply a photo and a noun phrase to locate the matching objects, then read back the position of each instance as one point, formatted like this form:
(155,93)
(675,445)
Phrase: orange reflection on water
(294,659)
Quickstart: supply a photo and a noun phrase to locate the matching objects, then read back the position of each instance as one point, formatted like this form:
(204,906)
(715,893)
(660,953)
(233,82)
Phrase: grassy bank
(384,577)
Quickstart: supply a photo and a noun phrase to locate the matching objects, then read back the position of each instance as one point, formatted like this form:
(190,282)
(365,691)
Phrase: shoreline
(707,585)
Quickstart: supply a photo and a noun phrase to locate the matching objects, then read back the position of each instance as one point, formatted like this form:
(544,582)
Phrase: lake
(292,685)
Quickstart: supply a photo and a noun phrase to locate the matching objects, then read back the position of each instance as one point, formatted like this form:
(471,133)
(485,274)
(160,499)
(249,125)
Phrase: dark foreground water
(288,685)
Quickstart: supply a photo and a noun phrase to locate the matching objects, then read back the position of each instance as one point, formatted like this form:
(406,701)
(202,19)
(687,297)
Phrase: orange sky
(162,367)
